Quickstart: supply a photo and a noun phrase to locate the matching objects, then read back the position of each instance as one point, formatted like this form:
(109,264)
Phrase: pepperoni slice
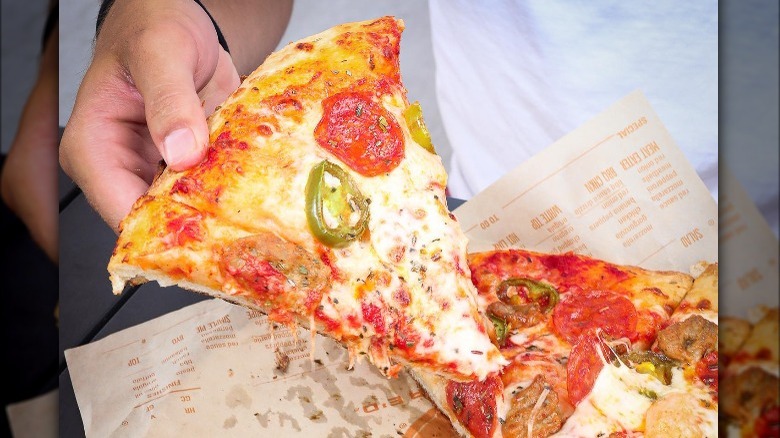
(584,366)
(361,133)
(474,403)
(614,314)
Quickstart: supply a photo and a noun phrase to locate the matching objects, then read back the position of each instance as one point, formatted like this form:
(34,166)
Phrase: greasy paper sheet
(617,188)
(209,370)
(748,274)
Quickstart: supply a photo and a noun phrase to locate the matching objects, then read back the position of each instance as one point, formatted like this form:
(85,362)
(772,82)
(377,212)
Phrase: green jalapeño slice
(414,119)
(542,293)
(336,210)
(501,329)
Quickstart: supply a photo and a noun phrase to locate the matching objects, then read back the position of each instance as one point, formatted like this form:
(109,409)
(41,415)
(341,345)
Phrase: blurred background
(22,27)
(28,273)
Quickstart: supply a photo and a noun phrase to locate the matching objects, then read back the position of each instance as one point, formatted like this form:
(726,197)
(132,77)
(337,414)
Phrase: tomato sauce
(474,403)
(184,229)
(330,324)
(260,277)
(361,133)
(373,315)
(707,370)
(186,185)
(614,314)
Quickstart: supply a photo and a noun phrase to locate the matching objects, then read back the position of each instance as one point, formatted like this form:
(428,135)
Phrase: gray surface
(70,418)
(749,87)
(86,243)
(77,27)
(21,33)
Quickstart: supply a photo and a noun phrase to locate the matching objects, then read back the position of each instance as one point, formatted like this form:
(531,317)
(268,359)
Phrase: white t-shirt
(513,77)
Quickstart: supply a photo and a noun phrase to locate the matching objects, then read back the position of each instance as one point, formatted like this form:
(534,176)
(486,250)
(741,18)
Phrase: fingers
(139,101)
(106,148)
(163,67)
(113,201)
(106,159)
(224,82)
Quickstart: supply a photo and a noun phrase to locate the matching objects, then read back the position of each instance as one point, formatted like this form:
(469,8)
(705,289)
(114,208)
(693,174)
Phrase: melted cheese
(620,398)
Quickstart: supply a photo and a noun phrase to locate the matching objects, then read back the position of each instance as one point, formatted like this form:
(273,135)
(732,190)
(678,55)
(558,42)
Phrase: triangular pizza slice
(321,202)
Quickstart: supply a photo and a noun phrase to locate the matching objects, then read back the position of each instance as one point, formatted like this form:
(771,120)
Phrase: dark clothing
(29,290)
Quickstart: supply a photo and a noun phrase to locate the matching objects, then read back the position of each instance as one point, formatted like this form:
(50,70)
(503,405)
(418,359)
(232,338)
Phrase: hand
(157,70)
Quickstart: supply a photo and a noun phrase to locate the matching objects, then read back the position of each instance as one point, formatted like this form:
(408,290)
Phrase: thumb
(164,73)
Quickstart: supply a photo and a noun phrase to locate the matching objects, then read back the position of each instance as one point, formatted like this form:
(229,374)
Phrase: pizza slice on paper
(559,319)
(321,202)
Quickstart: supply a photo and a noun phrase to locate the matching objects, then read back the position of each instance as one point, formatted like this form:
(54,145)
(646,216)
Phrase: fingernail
(178,146)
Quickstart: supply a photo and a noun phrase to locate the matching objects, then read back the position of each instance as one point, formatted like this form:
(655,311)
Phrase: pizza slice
(751,396)
(556,318)
(321,202)
(691,336)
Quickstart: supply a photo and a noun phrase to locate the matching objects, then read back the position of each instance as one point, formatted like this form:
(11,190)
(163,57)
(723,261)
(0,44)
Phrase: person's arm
(157,71)
(250,40)
(29,177)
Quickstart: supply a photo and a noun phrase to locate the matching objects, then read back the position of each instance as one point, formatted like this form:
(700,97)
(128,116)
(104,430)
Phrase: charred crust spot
(288,104)
(306,47)
(656,291)
(160,168)
(375,22)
